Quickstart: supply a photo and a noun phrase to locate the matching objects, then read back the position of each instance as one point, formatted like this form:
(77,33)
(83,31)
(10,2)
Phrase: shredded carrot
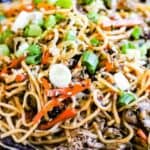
(20,77)
(28,7)
(11,12)
(67,92)
(16,62)
(46,6)
(68,113)
(14,10)
(108,66)
(49,106)
(45,57)
(4,70)
(45,84)
(141,134)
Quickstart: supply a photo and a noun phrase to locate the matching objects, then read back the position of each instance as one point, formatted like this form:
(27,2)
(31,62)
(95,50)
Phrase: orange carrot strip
(45,84)
(141,134)
(50,105)
(4,70)
(109,66)
(46,6)
(68,113)
(14,10)
(11,12)
(68,93)
(45,57)
(16,62)
(20,77)
(28,7)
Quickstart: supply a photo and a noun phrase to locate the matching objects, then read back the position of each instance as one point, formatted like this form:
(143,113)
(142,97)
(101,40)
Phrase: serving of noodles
(75,75)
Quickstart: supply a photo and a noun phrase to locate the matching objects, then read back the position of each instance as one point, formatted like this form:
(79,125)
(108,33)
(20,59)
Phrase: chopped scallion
(37,1)
(86,2)
(33,30)
(94,42)
(59,17)
(136,33)
(90,60)
(4,50)
(93,16)
(108,3)
(64,3)
(127,46)
(126,98)
(33,60)
(50,22)
(2,17)
(34,49)
(70,36)
(5,35)
(34,54)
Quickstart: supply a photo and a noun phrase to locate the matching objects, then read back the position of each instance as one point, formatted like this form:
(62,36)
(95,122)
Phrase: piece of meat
(144,113)
(130,117)
(81,142)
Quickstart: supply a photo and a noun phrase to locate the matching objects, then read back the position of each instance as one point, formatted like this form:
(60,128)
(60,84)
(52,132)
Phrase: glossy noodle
(75,75)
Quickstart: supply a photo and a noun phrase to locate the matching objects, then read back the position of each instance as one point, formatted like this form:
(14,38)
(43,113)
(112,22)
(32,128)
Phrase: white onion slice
(60,75)
(21,21)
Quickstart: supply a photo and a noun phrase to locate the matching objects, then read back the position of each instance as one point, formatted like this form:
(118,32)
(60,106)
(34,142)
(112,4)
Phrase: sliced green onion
(59,17)
(144,48)
(33,60)
(39,22)
(4,50)
(86,2)
(37,1)
(33,30)
(126,47)
(90,60)
(2,17)
(136,33)
(108,3)
(64,3)
(70,36)
(126,98)
(50,21)
(5,35)
(93,16)
(94,42)
(34,49)
(34,54)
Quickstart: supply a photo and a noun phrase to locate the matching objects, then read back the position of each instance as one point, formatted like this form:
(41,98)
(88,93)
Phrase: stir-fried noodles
(75,75)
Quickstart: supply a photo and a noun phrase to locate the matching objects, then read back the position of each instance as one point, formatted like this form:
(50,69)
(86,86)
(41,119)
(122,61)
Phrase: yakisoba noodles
(75,75)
